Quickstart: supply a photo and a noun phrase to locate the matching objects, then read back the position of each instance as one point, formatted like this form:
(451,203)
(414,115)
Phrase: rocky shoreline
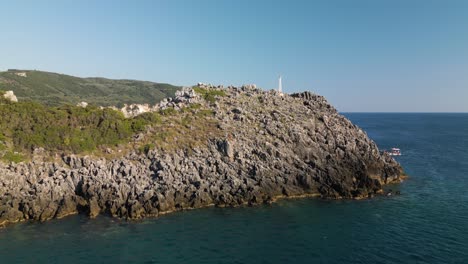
(267,145)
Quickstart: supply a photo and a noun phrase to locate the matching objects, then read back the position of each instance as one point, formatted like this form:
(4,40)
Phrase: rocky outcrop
(82,104)
(273,146)
(182,98)
(9,95)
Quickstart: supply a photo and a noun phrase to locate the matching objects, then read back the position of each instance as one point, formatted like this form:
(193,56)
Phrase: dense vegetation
(25,126)
(57,89)
(29,125)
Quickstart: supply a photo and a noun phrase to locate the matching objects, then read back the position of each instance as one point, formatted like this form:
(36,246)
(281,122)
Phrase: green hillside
(26,126)
(57,89)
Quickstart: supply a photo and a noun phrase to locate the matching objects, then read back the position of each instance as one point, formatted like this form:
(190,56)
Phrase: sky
(362,55)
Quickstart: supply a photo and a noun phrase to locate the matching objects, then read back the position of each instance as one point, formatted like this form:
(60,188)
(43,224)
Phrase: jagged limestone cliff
(240,146)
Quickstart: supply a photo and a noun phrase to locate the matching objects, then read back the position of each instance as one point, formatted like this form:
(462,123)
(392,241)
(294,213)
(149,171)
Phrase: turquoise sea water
(427,223)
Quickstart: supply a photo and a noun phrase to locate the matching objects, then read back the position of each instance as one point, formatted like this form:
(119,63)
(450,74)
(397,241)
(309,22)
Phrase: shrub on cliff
(30,125)
(209,94)
(25,126)
(13,157)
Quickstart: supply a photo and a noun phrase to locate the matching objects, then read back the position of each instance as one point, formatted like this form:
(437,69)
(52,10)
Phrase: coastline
(262,147)
(272,200)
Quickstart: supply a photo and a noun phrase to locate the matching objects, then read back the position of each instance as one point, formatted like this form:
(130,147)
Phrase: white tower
(280,87)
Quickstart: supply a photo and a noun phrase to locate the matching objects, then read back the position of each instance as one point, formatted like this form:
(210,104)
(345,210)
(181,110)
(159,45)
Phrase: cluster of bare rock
(10,95)
(182,98)
(274,146)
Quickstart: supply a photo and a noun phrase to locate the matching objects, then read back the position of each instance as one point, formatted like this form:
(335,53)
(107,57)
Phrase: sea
(427,223)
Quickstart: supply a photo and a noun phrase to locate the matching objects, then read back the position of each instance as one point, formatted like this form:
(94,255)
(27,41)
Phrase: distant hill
(57,89)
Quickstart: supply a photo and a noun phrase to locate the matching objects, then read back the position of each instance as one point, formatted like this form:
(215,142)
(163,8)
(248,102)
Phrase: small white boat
(394,152)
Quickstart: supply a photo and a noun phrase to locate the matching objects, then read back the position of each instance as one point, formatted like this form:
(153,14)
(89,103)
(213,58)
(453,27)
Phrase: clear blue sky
(375,55)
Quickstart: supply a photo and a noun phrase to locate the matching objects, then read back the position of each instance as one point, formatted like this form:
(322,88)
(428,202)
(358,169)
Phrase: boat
(394,152)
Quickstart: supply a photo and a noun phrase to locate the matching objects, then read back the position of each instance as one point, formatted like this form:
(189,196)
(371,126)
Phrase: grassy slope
(57,89)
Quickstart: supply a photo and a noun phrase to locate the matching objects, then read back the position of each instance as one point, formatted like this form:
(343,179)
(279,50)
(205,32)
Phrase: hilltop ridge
(56,89)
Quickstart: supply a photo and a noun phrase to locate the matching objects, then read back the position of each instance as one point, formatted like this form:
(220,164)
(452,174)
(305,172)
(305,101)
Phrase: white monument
(280,86)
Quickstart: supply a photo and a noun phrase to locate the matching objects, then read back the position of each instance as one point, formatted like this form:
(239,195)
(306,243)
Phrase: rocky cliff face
(266,146)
